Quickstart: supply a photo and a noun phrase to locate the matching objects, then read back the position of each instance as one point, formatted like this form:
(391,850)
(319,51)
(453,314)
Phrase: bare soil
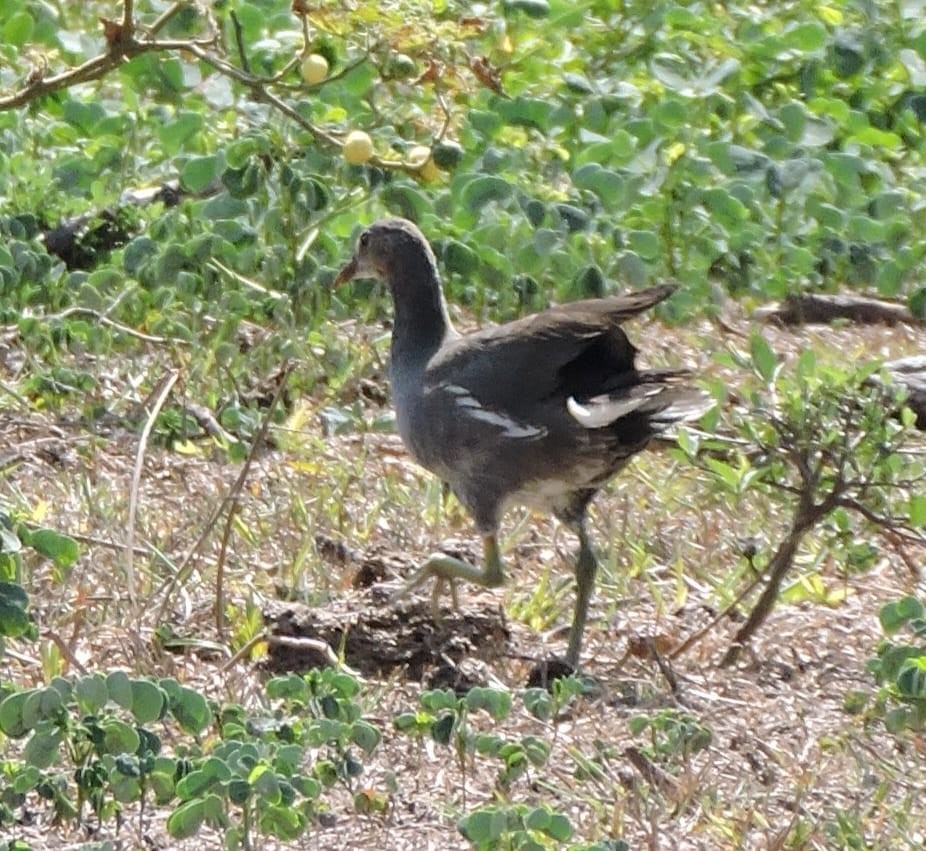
(787,766)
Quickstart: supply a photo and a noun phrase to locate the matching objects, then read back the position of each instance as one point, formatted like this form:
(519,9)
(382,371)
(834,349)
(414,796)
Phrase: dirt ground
(786,767)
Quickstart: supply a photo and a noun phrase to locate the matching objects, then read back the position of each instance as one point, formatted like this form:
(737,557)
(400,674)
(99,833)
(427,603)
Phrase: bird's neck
(422,323)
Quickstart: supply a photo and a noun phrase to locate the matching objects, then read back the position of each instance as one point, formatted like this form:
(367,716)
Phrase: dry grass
(787,766)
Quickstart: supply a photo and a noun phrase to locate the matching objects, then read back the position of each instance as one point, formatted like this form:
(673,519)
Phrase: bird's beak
(348,273)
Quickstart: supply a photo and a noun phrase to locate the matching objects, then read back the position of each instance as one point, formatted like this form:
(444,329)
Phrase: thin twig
(239,42)
(695,637)
(248,647)
(60,643)
(167,384)
(235,492)
(166,17)
(22,400)
(103,319)
(241,279)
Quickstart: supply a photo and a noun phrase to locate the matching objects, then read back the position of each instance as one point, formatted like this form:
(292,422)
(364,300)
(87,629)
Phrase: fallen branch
(812,308)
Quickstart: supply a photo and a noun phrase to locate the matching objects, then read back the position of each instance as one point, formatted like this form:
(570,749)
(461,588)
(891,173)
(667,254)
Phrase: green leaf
(162,785)
(359,79)
(895,615)
(435,700)
(559,828)
(147,701)
(525,112)
(645,243)
(63,550)
(82,115)
(42,749)
(806,364)
(608,185)
(191,710)
(537,750)
(12,721)
(14,618)
(239,790)
(239,152)
(632,269)
(365,736)
(198,172)
(282,822)
(537,819)
(119,737)
(187,819)
(18,29)
(120,688)
(126,790)
(289,687)
(590,282)
(725,207)
(482,190)
(764,360)
(917,303)
(578,84)
(911,681)
(193,785)
(175,134)
(539,702)
(265,783)
(805,37)
(917,509)
(442,729)
(459,259)
(496,702)
(682,18)
(671,113)
(408,201)
(484,827)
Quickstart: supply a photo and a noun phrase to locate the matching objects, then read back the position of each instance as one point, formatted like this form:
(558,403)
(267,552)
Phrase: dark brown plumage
(541,411)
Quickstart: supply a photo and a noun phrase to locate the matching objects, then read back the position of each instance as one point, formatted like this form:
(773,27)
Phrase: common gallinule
(541,411)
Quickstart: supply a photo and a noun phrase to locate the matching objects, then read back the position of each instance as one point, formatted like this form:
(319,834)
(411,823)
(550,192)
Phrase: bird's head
(386,250)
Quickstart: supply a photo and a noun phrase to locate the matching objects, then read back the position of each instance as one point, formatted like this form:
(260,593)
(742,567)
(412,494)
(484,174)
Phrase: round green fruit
(447,154)
(358,147)
(314,68)
(402,66)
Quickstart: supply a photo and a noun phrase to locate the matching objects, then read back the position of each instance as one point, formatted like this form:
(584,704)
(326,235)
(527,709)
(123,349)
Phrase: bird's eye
(364,239)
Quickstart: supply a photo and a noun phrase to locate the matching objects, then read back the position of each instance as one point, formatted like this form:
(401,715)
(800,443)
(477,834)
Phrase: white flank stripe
(474,409)
(511,427)
(467,402)
(464,398)
(455,389)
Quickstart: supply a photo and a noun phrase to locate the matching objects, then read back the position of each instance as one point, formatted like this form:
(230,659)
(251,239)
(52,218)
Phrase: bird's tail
(660,405)
(679,405)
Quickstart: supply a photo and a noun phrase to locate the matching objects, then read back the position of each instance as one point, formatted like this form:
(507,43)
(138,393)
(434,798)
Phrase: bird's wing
(576,349)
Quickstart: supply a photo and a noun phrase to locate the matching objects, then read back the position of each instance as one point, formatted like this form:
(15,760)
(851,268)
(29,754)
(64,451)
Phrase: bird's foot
(445,570)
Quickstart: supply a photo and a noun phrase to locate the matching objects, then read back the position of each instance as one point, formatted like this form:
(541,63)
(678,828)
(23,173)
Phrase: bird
(540,411)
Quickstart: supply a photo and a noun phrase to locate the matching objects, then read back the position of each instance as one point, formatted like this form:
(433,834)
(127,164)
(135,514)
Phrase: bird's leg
(586,567)
(446,568)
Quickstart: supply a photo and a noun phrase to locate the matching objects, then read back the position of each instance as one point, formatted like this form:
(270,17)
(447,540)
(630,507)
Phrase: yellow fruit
(420,159)
(314,68)
(358,147)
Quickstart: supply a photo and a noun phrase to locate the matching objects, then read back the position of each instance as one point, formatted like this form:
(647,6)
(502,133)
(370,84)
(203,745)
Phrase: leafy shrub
(900,665)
